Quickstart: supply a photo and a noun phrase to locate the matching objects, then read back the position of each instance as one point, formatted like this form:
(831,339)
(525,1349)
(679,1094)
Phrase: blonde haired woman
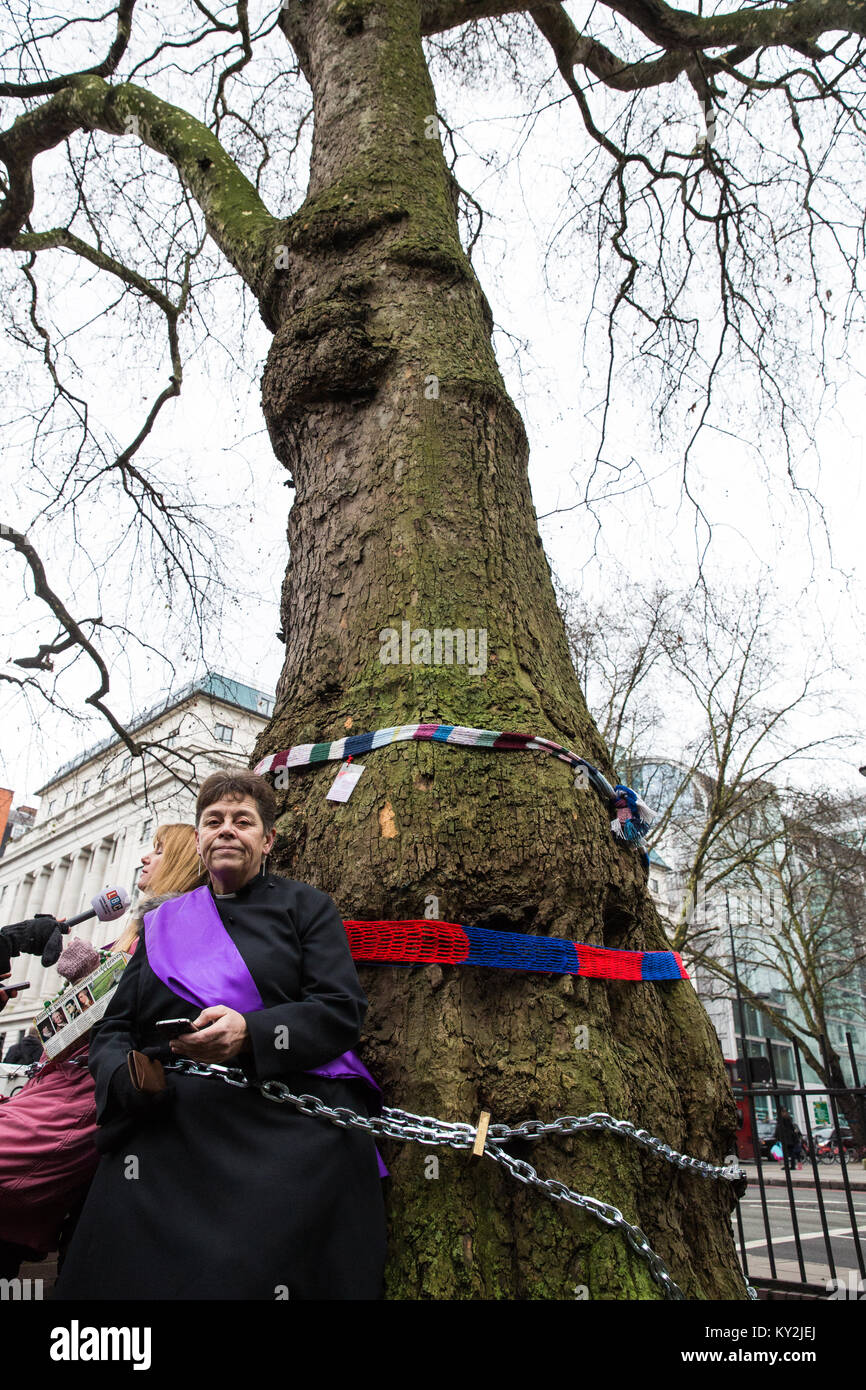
(48,1153)
(172,867)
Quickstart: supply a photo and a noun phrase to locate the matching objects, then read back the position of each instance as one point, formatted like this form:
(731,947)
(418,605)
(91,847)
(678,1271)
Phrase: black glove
(39,935)
(54,946)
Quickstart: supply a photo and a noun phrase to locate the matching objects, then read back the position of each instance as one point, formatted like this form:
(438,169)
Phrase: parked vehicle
(829,1140)
(766,1136)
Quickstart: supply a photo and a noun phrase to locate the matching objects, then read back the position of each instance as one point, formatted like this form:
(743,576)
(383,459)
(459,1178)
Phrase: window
(223,732)
(104,775)
(783,1058)
(146,830)
(172,738)
(69,796)
(85,787)
(654,885)
(263,705)
(126,764)
(51,806)
(758,1025)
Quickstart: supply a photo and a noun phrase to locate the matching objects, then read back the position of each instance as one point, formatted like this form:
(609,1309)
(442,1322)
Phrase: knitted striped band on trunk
(420,941)
(631,815)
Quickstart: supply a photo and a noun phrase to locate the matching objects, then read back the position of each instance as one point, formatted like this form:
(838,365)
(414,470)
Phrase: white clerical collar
(220,896)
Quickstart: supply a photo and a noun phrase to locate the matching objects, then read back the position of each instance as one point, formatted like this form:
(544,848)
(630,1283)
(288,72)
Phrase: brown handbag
(147,1074)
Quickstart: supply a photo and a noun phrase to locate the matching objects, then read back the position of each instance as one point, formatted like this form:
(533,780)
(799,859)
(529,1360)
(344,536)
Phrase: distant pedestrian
(29,1049)
(788,1136)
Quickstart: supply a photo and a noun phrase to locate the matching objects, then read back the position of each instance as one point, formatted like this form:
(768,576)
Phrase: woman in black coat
(212,1191)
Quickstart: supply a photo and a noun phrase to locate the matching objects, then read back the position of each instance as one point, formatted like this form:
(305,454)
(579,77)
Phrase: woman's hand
(6,995)
(220,1033)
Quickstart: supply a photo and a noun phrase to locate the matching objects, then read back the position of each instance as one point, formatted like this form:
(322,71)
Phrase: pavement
(829,1176)
(818,1283)
(846,1282)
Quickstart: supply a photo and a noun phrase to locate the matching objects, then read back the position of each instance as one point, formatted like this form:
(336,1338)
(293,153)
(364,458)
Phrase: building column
(96,882)
(99,867)
(28,901)
(130,861)
(55,898)
(17,898)
(117,865)
(41,889)
(75,882)
(45,979)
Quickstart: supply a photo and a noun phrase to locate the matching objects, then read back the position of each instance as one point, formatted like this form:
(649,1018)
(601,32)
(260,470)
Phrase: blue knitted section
(508,950)
(358,743)
(660,965)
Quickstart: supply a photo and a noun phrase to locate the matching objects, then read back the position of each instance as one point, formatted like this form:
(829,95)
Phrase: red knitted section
(609,965)
(679,960)
(416,940)
(512,741)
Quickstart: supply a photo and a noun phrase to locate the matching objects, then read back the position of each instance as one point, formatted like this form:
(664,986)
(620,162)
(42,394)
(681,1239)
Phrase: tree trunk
(849,1104)
(384,401)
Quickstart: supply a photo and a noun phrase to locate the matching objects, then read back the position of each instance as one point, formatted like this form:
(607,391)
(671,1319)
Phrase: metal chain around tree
(426,1129)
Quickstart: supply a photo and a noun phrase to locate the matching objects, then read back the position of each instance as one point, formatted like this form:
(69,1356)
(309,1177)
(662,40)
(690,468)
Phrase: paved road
(842,1240)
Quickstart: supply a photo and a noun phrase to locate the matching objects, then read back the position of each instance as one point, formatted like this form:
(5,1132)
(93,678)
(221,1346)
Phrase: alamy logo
(76,1343)
(21,1290)
(836,1288)
(445,646)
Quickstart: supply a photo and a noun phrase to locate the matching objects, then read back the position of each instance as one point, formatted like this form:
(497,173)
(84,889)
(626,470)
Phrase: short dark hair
(236,783)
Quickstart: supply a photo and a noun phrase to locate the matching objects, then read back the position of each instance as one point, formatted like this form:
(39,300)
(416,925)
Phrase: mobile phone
(173,1027)
(24,984)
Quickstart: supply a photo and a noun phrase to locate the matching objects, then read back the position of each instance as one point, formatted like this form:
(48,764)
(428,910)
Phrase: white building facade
(729,922)
(98,815)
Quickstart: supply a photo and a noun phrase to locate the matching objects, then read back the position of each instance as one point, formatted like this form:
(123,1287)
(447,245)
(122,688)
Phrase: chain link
(604,1212)
(426,1129)
(574,1124)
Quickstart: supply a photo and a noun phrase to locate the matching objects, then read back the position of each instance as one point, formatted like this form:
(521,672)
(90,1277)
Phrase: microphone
(43,933)
(107,905)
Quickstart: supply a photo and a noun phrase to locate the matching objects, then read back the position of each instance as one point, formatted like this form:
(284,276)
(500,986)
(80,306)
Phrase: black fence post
(813,1158)
(795,1226)
(846,1183)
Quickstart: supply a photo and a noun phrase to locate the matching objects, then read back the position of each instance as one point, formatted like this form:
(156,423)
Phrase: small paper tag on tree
(345,782)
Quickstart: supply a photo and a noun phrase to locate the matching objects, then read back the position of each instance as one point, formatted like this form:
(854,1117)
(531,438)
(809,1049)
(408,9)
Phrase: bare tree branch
(71,626)
(106,68)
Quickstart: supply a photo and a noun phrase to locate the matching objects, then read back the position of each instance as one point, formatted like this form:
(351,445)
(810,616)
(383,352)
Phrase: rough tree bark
(415,507)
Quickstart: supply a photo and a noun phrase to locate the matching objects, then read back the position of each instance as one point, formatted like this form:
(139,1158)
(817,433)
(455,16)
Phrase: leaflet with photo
(73,1013)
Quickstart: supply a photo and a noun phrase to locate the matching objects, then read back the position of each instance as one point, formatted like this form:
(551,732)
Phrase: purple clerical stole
(190,950)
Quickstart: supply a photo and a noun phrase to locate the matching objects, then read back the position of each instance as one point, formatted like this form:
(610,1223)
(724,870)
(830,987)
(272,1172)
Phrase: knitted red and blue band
(420,941)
